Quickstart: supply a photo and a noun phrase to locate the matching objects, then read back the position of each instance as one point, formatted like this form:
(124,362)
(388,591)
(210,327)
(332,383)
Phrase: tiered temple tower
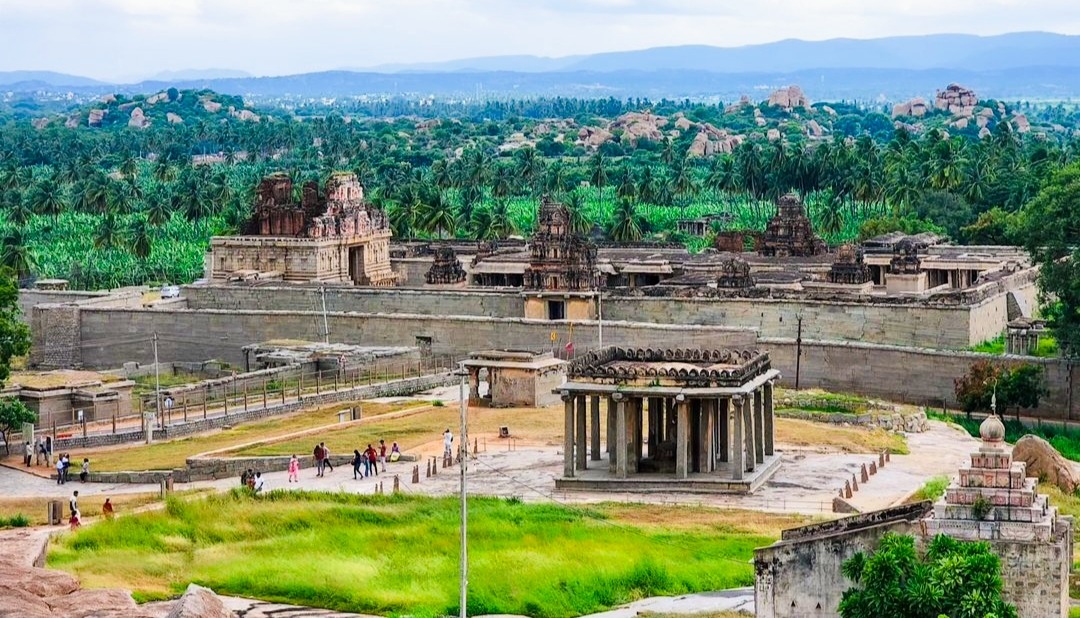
(995,501)
(790,233)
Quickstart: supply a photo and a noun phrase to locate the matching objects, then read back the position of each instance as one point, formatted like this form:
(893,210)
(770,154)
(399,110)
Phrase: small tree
(974,390)
(955,579)
(13,413)
(1022,386)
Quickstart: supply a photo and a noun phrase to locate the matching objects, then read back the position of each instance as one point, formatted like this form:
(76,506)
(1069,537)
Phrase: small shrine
(734,274)
(1022,335)
(789,233)
(446,269)
(995,501)
(849,267)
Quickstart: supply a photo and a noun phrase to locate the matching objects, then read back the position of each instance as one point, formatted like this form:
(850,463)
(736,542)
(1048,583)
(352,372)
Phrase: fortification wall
(29,298)
(194,335)
(359,300)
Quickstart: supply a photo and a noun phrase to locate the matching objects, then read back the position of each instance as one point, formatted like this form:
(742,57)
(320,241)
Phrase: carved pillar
(770,429)
(682,432)
(759,428)
(724,421)
(568,442)
(653,431)
(738,461)
(706,460)
(474,385)
(619,453)
(611,432)
(582,434)
(594,402)
(748,432)
(638,406)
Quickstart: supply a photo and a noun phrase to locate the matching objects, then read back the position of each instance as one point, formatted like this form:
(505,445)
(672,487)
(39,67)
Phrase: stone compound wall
(29,298)
(1036,576)
(508,304)
(57,336)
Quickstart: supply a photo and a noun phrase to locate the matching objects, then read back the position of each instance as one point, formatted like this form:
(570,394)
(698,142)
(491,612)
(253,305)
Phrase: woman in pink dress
(294,470)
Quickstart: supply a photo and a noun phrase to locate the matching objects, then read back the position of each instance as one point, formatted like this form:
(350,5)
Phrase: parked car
(170,291)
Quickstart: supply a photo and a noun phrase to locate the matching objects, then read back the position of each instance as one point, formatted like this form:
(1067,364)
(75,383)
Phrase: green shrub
(15,521)
(932,490)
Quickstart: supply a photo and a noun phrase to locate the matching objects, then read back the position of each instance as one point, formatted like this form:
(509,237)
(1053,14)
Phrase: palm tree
(140,238)
(530,167)
(647,187)
(579,222)
(107,232)
(555,178)
(47,198)
(18,211)
(15,254)
(831,220)
(598,176)
(682,182)
(626,190)
(438,214)
(624,223)
(159,212)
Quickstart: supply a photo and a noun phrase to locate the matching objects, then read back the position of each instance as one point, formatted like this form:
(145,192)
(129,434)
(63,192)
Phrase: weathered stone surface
(18,603)
(93,603)
(38,582)
(1021,123)
(138,119)
(916,107)
(773,135)
(199,602)
(814,129)
(637,125)
(211,106)
(95,117)
(174,118)
(956,99)
(789,98)
(593,137)
(1045,462)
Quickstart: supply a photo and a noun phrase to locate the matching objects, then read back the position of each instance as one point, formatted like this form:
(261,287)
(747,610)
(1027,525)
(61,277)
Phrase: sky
(127,40)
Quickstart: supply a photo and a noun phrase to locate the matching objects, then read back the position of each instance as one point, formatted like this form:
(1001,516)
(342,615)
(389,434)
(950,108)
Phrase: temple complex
(333,237)
(446,269)
(677,420)
(561,275)
(789,233)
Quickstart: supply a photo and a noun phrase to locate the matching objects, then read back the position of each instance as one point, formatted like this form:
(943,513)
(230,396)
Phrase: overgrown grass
(932,490)
(173,453)
(1047,348)
(844,439)
(36,509)
(397,555)
(1066,441)
(15,521)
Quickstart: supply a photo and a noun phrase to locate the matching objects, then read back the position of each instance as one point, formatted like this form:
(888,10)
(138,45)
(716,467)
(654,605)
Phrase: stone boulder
(956,99)
(814,129)
(95,117)
(789,98)
(593,137)
(154,99)
(1021,123)
(683,123)
(773,135)
(42,583)
(744,101)
(1045,462)
(91,603)
(244,115)
(638,125)
(40,123)
(174,118)
(199,602)
(212,107)
(138,119)
(16,602)
(828,110)
(984,133)
(915,108)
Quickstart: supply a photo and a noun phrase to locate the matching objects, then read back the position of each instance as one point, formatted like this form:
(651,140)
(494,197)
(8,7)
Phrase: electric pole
(325,324)
(157,391)
(798,349)
(463,450)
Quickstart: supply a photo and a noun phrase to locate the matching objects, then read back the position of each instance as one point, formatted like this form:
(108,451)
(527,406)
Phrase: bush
(15,521)
(932,490)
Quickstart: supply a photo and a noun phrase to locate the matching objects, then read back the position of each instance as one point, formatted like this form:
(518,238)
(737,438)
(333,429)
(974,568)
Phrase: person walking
(294,470)
(372,460)
(357,461)
(320,455)
(260,484)
(66,461)
(29,454)
(382,454)
(59,472)
(73,504)
(84,474)
(107,509)
(448,443)
(326,457)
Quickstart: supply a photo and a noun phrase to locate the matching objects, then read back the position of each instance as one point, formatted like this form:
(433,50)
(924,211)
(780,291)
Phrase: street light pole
(463,450)
(798,349)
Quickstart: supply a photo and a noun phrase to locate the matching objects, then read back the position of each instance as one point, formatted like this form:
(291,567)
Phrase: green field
(398,555)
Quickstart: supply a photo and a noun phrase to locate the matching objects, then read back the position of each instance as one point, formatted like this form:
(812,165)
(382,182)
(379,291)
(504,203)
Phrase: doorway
(556,310)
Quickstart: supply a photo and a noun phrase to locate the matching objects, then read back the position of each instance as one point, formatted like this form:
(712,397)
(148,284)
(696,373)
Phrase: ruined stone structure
(561,277)
(995,501)
(849,268)
(446,269)
(735,274)
(789,233)
(515,378)
(1022,335)
(58,396)
(336,237)
(677,420)
(734,241)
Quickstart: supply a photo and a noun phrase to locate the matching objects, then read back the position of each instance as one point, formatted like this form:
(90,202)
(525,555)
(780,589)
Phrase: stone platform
(598,478)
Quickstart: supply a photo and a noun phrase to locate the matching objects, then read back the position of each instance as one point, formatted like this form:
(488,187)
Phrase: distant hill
(194,74)
(35,79)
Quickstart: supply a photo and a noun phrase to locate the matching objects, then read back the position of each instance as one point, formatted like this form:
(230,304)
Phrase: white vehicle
(170,291)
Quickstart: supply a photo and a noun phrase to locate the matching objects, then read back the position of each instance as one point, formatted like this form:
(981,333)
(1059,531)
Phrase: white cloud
(130,38)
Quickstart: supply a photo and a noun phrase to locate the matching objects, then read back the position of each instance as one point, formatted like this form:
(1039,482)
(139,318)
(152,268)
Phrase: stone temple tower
(995,501)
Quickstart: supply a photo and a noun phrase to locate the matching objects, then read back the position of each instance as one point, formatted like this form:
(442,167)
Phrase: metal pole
(600,316)
(798,351)
(157,388)
(463,449)
(325,324)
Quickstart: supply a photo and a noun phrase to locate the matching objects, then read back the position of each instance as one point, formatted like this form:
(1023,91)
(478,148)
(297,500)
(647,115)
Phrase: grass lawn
(398,555)
(796,432)
(173,453)
(35,508)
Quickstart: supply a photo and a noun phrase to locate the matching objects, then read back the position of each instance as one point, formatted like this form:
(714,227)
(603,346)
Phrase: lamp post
(798,349)
(463,450)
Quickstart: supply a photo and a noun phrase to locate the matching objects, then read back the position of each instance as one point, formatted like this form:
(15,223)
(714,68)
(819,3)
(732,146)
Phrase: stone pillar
(611,431)
(638,406)
(594,402)
(568,442)
(707,449)
(724,421)
(748,432)
(582,435)
(770,428)
(759,428)
(619,452)
(653,431)
(474,385)
(738,446)
(682,432)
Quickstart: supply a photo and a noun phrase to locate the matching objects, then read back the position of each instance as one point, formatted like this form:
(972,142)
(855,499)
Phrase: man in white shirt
(259,482)
(448,443)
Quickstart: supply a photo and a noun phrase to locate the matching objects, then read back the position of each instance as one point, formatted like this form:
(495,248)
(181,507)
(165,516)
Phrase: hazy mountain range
(1028,65)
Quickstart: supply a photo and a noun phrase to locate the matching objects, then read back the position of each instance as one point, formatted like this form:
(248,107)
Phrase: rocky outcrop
(956,99)
(773,135)
(199,602)
(90,603)
(138,119)
(828,110)
(638,125)
(108,98)
(813,129)
(174,118)
(915,108)
(154,99)
(711,140)
(593,137)
(1045,462)
(244,115)
(744,101)
(683,123)
(984,133)
(789,98)
(212,107)
(1020,123)
(96,116)
(39,123)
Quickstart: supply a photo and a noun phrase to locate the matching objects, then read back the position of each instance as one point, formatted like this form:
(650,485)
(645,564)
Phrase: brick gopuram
(789,233)
(677,420)
(995,501)
(335,237)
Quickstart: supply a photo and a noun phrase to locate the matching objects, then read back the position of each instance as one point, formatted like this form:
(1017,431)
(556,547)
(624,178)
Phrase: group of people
(76,515)
(372,459)
(253,481)
(63,469)
(40,451)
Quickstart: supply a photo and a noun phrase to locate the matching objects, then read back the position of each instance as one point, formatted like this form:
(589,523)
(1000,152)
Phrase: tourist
(59,472)
(41,453)
(259,483)
(369,461)
(48,450)
(294,470)
(357,461)
(85,473)
(448,443)
(107,508)
(382,454)
(244,477)
(395,452)
(73,504)
(29,456)
(251,480)
(326,457)
(320,456)
(66,461)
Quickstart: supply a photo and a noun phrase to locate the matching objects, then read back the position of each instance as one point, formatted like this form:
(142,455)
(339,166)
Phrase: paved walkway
(734,600)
